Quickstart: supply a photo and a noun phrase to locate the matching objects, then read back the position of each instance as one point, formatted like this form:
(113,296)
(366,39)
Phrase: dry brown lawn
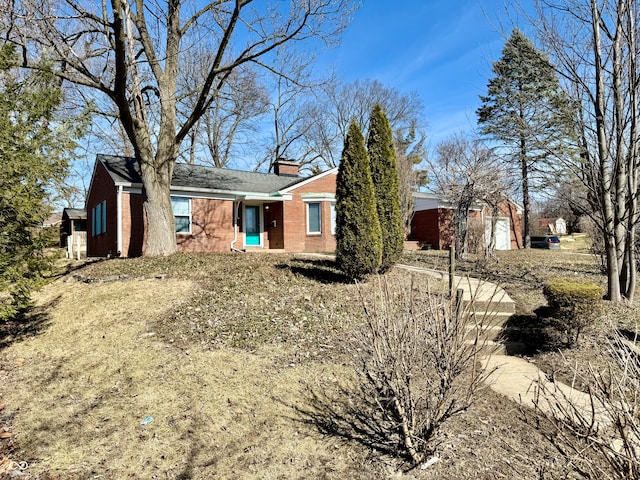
(222,354)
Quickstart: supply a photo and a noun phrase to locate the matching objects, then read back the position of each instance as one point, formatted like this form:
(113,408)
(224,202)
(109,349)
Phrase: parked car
(545,241)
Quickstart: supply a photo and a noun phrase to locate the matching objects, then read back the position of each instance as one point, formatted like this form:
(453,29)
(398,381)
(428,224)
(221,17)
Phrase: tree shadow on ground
(631,335)
(538,332)
(319,270)
(26,324)
(344,412)
(74,266)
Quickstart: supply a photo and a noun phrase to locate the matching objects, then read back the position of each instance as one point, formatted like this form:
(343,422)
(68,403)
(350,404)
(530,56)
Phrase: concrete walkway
(473,289)
(515,377)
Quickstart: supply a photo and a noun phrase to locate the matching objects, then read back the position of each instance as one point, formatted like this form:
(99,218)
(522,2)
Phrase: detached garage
(432,225)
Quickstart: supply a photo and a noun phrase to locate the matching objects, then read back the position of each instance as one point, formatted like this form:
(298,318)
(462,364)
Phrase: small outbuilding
(73,231)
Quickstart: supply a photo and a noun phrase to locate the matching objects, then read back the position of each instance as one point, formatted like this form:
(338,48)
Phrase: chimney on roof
(286,168)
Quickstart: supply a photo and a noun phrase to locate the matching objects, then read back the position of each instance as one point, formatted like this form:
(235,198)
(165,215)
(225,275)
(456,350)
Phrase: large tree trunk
(526,203)
(161,230)
(608,209)
(632,162)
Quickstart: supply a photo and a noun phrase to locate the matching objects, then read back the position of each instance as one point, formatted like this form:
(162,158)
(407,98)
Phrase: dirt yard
(209,367)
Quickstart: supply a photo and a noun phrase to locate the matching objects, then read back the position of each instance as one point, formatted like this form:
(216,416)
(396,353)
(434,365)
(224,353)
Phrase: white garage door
(503,233)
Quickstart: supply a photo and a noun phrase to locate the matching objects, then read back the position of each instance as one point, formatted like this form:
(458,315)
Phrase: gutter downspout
(119,220)
(236,206)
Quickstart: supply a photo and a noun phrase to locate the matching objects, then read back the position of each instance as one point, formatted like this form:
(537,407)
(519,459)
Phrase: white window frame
(319,231)
(188,199)
(333,218)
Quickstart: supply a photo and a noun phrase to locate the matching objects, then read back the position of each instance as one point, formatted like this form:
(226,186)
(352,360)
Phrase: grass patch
(222,352)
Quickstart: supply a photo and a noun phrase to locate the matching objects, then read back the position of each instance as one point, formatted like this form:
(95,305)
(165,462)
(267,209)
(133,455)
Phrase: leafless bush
(599,432)
(417,366)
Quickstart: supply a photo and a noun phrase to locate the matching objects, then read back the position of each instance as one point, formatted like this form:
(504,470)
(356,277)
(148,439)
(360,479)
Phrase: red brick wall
(446,223)
(425,228)
(211,227)
(296,238)
(509,210)
(102,188)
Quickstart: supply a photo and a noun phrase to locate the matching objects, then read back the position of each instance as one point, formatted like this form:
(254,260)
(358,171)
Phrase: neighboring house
(215,209)
(73,230)
(553,227)
(432,225)
(53,220)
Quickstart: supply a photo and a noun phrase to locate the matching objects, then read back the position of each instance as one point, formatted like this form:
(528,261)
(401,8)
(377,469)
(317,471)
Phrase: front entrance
(252,230)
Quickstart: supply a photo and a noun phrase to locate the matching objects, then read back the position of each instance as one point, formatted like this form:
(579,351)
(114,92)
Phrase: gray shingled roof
(126,170)
(74,213)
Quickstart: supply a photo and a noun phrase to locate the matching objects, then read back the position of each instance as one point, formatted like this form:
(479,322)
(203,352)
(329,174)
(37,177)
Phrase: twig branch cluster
(600,436)
(418,366)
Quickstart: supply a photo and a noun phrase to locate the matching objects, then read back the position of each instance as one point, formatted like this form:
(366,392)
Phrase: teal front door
(252,225)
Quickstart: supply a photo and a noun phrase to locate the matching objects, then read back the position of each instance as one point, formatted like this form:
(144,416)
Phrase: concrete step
(496,305)
(489,318)
(491,332)
(493,347)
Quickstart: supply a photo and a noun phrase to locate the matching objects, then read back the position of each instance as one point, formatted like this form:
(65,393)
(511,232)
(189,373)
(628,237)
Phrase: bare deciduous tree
(292,100)
(338,103)
(465,170)
(595,47)
(410,154)
(229,126)
(131,52)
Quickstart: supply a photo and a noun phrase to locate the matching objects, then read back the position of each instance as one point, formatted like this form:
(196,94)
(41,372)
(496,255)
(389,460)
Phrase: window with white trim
(181,207)
(314,218)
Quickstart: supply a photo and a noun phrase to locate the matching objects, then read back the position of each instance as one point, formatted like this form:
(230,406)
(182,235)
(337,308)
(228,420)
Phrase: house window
(182,212)
(99,219)
(314,218)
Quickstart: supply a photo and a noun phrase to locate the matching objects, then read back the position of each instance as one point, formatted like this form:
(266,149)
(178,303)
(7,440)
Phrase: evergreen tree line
(369,227)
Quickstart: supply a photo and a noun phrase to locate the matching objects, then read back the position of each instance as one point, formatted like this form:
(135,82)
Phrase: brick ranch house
(216,210)
(432,225)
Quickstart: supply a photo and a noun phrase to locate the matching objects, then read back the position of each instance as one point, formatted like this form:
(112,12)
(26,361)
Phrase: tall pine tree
(526,111)
(384,173)
(358,235)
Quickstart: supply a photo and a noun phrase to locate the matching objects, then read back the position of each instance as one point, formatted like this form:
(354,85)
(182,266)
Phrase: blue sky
(443,50)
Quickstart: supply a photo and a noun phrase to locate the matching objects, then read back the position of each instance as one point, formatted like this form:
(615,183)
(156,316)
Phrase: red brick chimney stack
(282,167)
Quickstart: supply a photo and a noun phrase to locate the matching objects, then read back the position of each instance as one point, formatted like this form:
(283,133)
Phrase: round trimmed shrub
(574,304)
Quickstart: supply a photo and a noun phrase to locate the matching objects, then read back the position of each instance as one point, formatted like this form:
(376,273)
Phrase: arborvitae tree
(527,112)
(358,235)
(384,173)
(35,152)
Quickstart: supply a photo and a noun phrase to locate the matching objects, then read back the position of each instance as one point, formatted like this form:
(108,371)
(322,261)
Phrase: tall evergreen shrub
(358,234)
(384,173)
